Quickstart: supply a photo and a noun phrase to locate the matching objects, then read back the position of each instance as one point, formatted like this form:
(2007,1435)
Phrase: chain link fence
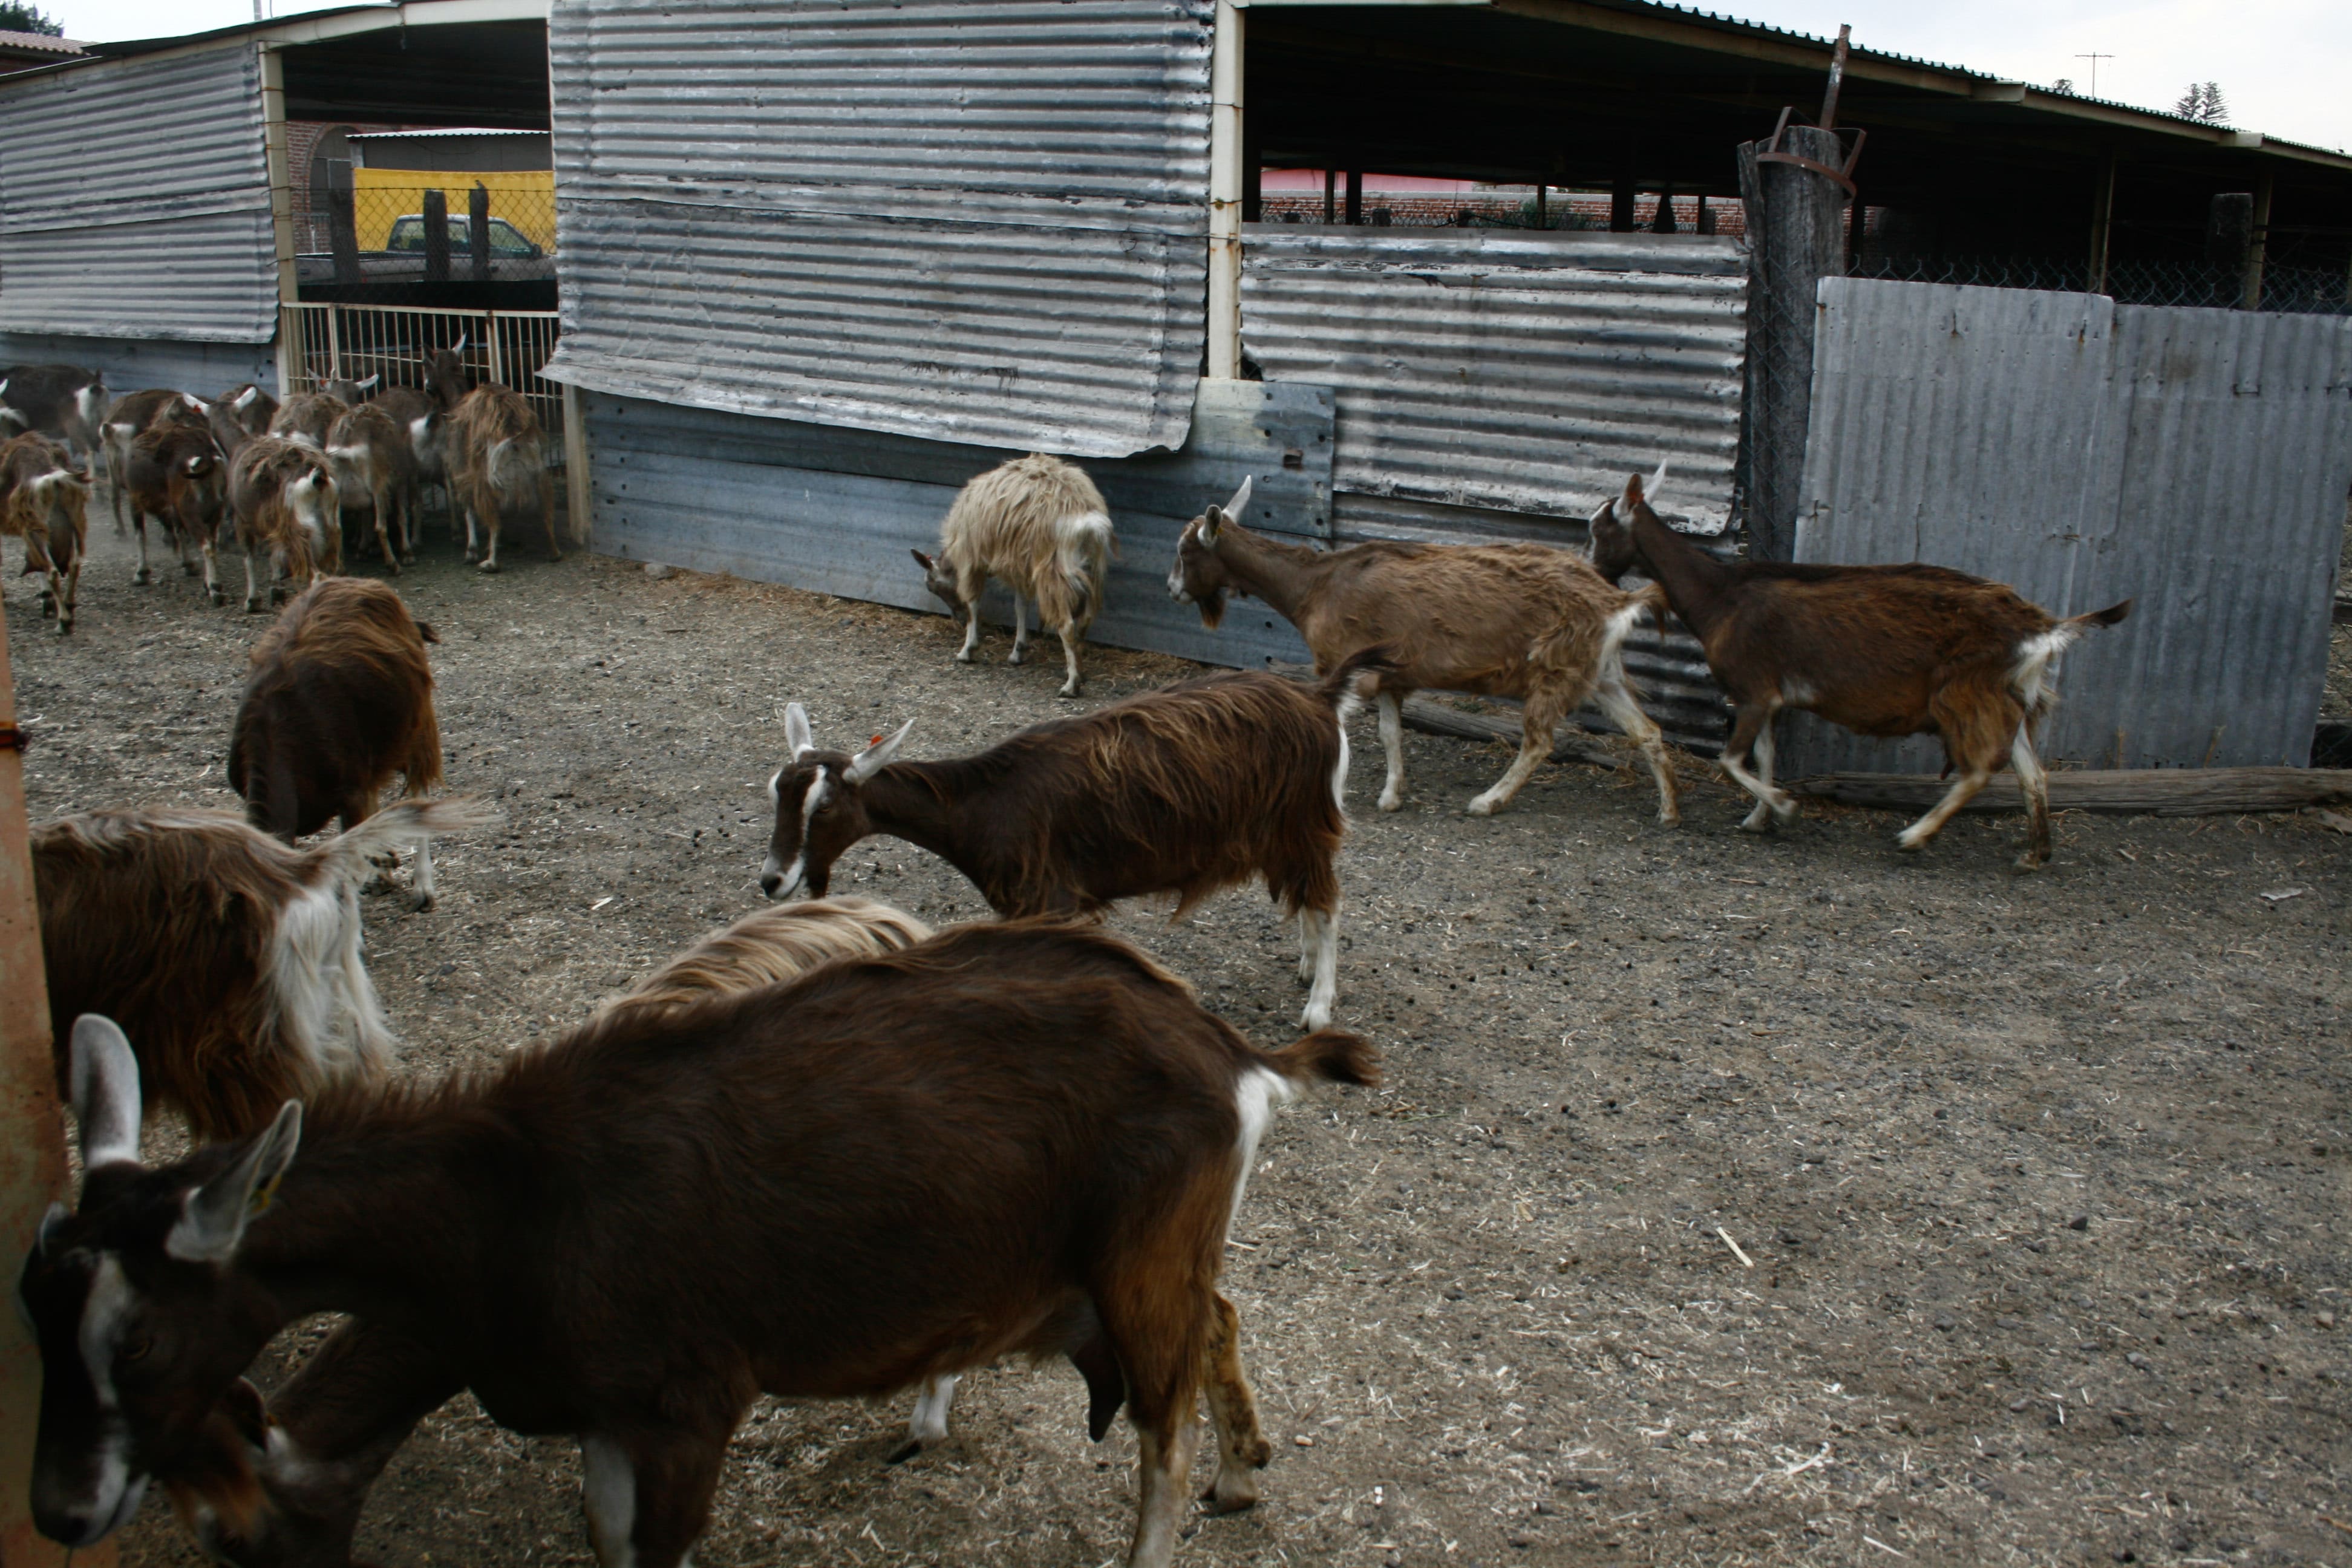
(2307,290)
(377,231)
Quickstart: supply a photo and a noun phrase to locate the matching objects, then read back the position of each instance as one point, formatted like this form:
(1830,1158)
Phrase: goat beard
(1213,608)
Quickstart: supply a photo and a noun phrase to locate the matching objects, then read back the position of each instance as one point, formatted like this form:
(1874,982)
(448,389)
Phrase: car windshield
(408,235)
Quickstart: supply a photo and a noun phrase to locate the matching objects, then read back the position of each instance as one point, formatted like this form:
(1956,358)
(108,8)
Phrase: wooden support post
(1330,195)
(1355,197)
(1225,195)
(2102,219)
(436,237)
(579,499)
(478,231)
(1543,219)
(32,1153)
(1706,224)
(1622,194)
(2258,240)
(1253,175)
(1796,237)
(280,165)
(1662,222)
(343,222)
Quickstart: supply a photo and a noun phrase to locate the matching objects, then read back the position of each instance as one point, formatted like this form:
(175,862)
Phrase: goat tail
(1083,545)
(1330,1056)
(2106,617)
(400,825)
(1340,688)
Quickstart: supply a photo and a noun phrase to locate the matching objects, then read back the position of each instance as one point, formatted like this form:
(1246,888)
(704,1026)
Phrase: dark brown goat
(175,474)
(44,501)
(64,400)
(287,511)
(338,699)
(1009,1140)
(1187,791)
(240,414)
(133,414)
(1882,650)
(236,958)
(307,416)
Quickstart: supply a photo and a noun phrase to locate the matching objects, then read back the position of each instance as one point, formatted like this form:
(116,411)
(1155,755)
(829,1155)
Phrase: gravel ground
(2040,1183)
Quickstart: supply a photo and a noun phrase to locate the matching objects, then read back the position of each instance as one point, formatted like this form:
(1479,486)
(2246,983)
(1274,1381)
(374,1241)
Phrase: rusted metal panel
(1520,372)
(973,221)
(134,201)
(2197,461)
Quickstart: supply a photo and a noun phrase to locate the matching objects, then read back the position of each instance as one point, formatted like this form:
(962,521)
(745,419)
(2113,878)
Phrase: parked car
(508,243)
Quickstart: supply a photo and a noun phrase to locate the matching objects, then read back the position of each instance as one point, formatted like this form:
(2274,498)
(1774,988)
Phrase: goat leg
(384,529)
(1242,1448)
(1617,700)
(2036,783)
(647,1497)
(970,630)
(1391,711)
(928,1424)
(142,576)
(1755,720)
(1538,720)
(67,585)
(1020,632)
(1325,993)
(1071,637)
(1972,780)
(487,502)
(547,512)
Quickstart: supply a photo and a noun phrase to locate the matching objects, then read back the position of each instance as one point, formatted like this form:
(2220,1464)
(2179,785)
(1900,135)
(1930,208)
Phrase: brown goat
(1501,620)
(338,699)
(307,416)
(1186,790)
(287,509)
(497,460)
(44,501)
(133,413)
(1882,650)
(240,414)
(1009,1140)
(174,473)
(236,958)
(373,463)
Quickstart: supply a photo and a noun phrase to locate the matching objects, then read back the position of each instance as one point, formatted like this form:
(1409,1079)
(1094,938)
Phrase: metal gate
(355,342)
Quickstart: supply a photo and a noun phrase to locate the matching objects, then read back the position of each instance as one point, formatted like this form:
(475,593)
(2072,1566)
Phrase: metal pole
(2102,218)
(2250,294)
(1796,237)
(32,1149)
(281,206)
(1225,197)
(1330,195)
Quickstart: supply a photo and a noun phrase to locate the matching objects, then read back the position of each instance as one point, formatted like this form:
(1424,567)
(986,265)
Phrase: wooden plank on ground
(2156,792)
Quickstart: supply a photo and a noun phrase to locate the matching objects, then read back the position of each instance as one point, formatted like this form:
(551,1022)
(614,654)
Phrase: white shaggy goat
(1038,525)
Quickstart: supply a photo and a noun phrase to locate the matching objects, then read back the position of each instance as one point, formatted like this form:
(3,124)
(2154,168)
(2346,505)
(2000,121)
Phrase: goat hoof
(143,577)
(1482,807)
(65,628)
(1391,802)
(1908,845)
(1314,1017)
(420,902)
(904,1452)
(253,606)
(963,659)
(1670,819)
(216,597)
(487,568)
(1068,692)
(1224,1498)
(1758,821)
(2027,862)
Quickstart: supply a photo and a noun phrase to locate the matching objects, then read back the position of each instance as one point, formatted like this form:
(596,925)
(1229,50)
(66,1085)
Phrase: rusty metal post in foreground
(1795,187)
(436,237)
(32,1148)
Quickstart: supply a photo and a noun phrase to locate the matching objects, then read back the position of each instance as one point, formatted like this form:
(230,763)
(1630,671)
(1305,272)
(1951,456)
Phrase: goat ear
(921,559)
(212,1219)
(1241,498)
(105,1084)
(1211,520)
(59,1214)
(796,731)
(877,757)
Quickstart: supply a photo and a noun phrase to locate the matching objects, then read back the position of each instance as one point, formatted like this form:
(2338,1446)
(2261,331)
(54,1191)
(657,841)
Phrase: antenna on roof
(2095,61)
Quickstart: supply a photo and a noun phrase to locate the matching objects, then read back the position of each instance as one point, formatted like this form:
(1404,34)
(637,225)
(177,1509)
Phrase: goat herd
(826,1153)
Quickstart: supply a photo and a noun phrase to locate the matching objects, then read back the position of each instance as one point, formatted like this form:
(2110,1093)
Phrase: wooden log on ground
(2152,791)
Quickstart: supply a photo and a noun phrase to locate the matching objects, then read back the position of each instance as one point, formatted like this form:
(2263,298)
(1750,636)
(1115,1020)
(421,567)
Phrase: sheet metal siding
(134,201)
(2197,461)
(974,221)
(836,512)
(1520,372)
(130,365)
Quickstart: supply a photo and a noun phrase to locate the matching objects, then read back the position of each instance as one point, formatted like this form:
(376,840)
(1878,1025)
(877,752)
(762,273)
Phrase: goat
(347,389)
(497,460)
(1038,525)
(44,501)
(174,473)
(1501,620)
(240,414)
(63,401)
(1882,650)
(370,455)
(411,411)
(1187,791)
(338,697)
(307,417)
(133,414)
(236,957)
(285,507)
(447,379)
(1020,1138)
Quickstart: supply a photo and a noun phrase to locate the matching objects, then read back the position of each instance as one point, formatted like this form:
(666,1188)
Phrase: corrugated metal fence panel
(973,221)
(1522,372)
(130,364)
(134,200)
(836,512)
(2197,461)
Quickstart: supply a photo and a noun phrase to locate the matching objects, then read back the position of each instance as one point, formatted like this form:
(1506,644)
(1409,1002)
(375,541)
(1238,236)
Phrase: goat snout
(1176,585)
(781,881)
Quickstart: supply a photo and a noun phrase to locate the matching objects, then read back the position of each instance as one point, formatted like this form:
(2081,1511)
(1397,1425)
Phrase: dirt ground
(1729,1201)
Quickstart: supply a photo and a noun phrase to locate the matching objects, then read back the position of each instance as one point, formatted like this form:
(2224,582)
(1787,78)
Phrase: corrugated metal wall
(1498,385)
(131,364)
(836,512)
(134,200)
(1521,372)
(2085,452)
(977,221)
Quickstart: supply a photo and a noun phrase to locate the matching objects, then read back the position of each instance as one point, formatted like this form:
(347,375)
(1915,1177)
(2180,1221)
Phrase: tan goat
(44,501)
(498,460)
(1500,620)
(1038,525)
(285,503)
(369,454)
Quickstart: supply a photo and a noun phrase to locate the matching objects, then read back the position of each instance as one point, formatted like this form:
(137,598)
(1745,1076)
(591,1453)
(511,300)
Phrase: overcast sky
(2282,64)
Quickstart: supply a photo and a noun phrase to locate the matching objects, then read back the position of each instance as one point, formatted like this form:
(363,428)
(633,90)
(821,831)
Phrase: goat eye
(137,1347)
